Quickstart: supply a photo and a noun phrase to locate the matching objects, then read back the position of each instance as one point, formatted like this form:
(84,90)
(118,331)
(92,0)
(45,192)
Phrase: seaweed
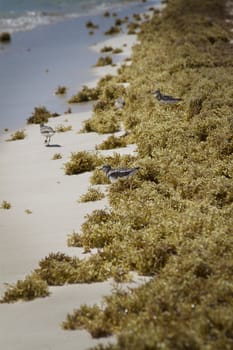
(5,205)
(85,95)
(106,49)
(184,190)
(103,122)
(112,142)
(5,37)
(56,156)
(62,128)
(40,115)
(112,30)
(104,61)
(91,25)
(81,162)
(93,194)
(18,135)
(30,288)
(61,90)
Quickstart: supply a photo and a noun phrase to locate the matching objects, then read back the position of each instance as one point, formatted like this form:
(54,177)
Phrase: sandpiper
(115,174)
(119,103)
(166,99)
(47,132)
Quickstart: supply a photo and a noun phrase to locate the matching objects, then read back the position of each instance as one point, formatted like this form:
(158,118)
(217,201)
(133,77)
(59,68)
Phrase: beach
(36,62)
(44,201)
(148,266)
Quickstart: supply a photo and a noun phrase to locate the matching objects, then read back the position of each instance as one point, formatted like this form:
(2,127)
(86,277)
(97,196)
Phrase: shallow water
(36,62)
(28,14)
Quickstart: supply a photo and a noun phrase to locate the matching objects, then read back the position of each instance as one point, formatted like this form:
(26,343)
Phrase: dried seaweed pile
(176,223)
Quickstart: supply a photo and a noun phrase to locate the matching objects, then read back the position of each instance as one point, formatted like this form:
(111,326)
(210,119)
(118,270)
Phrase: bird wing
(170,98)
(47,130)
(121,172)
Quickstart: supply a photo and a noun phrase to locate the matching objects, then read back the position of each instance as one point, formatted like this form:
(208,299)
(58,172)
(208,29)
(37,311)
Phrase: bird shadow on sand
(54,145)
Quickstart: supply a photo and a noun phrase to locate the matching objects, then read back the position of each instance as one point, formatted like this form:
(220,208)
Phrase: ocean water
(50,47)
(24,15)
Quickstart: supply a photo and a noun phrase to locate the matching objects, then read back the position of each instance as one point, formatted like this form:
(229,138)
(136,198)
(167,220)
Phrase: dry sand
(30,179)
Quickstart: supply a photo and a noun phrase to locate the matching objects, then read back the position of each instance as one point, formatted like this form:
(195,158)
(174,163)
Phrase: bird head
(106,168)
(156,92)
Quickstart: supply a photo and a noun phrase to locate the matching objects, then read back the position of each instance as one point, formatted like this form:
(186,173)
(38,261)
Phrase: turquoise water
(24,15)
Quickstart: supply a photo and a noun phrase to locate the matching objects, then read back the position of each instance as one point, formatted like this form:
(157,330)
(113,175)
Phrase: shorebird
(47,132)
(119,103)
(166,99)
(115,174)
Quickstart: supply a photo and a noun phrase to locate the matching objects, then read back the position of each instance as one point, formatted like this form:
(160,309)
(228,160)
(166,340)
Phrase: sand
(31,180)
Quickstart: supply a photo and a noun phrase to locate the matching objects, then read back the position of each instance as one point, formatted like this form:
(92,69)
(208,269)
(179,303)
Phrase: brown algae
(174,221)
(5,205)
(40,115)
(92,195)
(18,135)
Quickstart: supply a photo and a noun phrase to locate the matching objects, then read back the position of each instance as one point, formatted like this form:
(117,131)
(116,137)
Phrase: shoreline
(36,62)
(28,175)
(28,20)
(65,143)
